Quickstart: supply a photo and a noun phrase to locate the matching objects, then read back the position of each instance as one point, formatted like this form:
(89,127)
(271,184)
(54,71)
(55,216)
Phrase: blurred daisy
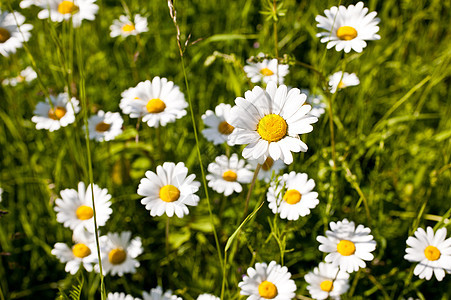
(158,102)
(292,196)
(77,10)
(157,294)
(227,174)
(432,251)
(270,122)
(207,297)
(75,211)
(83,253)
(337,82)
(268,282)
(326,281)
(317,103)
(121,296)
(348,28)
(266,71)
(218,126)
(120,253)
(268,167)
(61,115)
(125,27)
(1,194)
(347,246)
(28,3)
(105,126)
(26,75)
(11,38)
(169,191)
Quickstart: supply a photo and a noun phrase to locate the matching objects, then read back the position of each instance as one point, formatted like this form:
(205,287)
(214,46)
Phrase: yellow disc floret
(117,256)
(266,72)
(346,33)
(267,290)
(84,212)
(169,193)
(128,27)
(225,128)
(81,250)
(102,127)
(56,113)
(67,7)
(272,128)
(155,106)
(432,253)
(346,248)
(327,286)
(4,35)
(229,176)
(292,196)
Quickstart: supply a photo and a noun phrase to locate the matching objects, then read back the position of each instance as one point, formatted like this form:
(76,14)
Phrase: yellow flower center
(225,128)
(292,196)
(117,256)
(81,250)
(272,128)
(84,212)
(128,27)
(229,176)
(267,290)
(155,106)
(346,247)
(432,253)
(266,72)
(269,162)
(57,112)
(346,33)
(67,7)
(169,193)
(341,85)
(327,285)
(4,35)
(102,127)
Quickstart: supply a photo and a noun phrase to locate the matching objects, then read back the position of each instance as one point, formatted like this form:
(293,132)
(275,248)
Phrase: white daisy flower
(75,211)
(61,115)
(121,296)
(207,297)
(336,82)
(158,102)
(270,122)
(28,3)
(348,28)
(268,282)
(218,126)
(266,71)
(77,10)
(227,174)
(169,191)
(268,167)
(105,126)
(327,281)
(432,251)
(11,38)
(292,196)
(317,103)
(347,246)
(83,253)
(26,75)
(119,253)
(125,27)
(157,294)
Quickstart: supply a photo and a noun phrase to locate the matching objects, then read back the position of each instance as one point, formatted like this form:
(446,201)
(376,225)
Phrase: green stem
(249,192)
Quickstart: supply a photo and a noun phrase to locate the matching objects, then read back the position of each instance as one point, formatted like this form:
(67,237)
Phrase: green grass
(392,135)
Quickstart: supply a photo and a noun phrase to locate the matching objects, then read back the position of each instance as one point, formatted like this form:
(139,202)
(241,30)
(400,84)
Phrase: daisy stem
(167,237)
(354,283)
(88,153)
(137,130)
(276,39)
(249,192)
